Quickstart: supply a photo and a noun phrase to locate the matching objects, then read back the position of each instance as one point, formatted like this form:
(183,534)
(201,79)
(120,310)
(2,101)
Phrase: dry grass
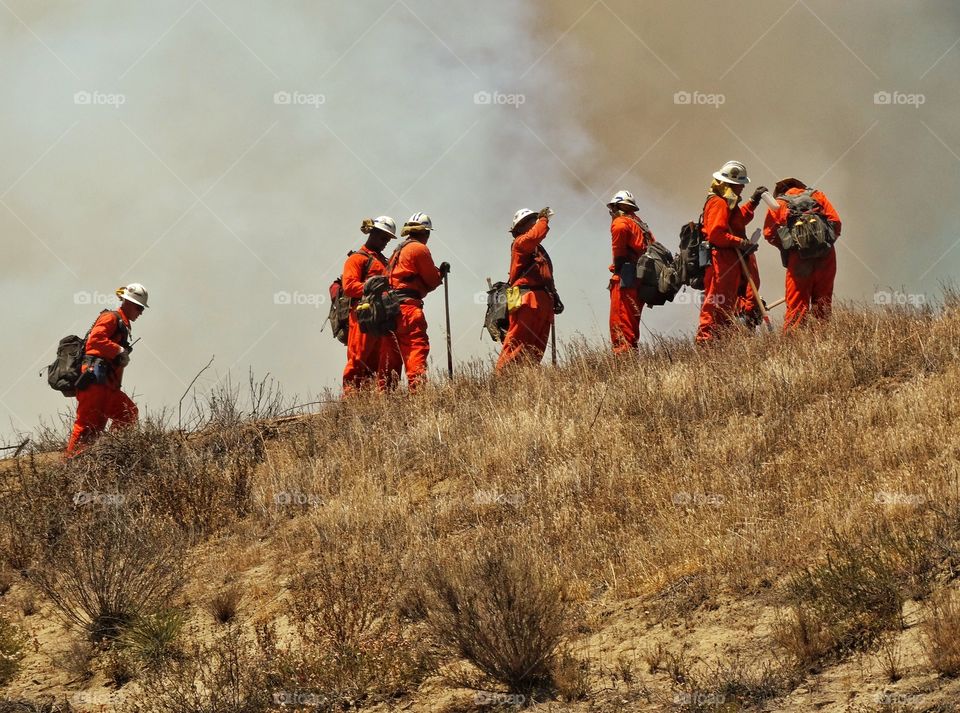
(942,635)
(690,475)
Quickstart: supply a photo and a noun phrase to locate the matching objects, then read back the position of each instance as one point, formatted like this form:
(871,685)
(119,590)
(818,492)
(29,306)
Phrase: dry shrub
(109,566)
(348,642)
(224,604)
(941,635)
(11,651)
(78,659)
(733,685)
(222,675)
(6,581)
(500,606)
(843,605)
(154,639)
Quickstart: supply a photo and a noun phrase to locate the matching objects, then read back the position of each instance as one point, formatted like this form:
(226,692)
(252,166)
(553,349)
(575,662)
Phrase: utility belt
(96,371)
(409,295)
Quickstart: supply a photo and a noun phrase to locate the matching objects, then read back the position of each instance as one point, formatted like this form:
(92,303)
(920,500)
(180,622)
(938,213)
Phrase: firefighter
(364,350)
(532,299)
(630,236)
(725,223)
(413,275)
(810,271)
(100,398)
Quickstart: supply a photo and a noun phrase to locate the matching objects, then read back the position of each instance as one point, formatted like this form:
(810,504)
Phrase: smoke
(855,97)
(223,154)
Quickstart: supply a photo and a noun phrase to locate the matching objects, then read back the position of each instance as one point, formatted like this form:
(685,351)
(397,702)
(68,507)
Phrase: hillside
(770,524)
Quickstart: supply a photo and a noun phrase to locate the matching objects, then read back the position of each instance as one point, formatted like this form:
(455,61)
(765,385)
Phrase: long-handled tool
(553,343)
(446,301)
(756,293)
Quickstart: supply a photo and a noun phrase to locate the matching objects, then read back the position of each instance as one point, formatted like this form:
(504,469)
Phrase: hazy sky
(224,152)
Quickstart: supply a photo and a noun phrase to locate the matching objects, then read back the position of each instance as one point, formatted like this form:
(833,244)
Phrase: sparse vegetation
(465,528)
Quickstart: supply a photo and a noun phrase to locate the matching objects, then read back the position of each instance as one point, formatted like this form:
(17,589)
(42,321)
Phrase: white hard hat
(136,293)
(623,198)
(733,172)
(519,216)
(419,220)
(386,224)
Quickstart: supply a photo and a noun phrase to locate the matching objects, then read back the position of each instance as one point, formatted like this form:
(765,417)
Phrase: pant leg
(821,294)
(363,358)
(414,343)
(121,410)
(721,280)
(798,290)
(625,311)
(529,330)
(91,418)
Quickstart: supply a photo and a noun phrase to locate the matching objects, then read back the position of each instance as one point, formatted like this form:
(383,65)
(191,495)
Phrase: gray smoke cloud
(224,153)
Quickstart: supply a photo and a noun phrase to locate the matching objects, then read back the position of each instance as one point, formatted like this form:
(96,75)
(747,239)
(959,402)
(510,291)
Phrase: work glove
(444,269)
(122,359)
(755,198)
(544,213)
(748,248)
(557,304)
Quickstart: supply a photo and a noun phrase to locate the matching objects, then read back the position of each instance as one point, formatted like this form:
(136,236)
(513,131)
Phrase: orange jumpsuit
(723,278)
(532,270)
(412,271)
(808,281)
(629,243)
(363,350)
(99,403)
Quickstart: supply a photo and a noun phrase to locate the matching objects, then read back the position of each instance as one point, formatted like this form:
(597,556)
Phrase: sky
(223,153)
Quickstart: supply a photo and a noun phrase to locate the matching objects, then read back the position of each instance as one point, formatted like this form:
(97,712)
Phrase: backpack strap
(121,327)
(392,262)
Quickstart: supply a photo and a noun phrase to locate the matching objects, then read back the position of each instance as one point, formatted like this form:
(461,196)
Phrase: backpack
(496,321)
(689,265)
(65,370)
(806,229)
(657,278)
(379,305)
(339,315)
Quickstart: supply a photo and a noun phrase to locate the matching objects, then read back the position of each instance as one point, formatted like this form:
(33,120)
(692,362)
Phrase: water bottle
(771,202)
(704,258)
